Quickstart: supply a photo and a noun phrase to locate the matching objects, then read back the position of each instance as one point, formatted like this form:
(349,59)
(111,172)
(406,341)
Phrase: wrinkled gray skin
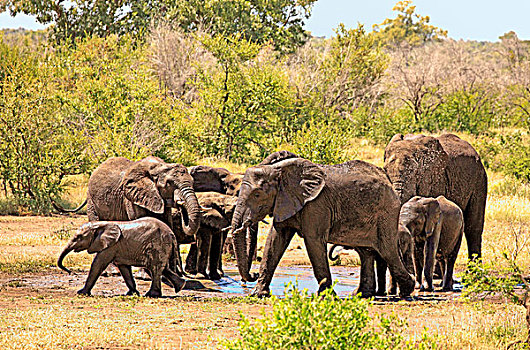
(120,189)
(145,242)
(428,166)
(351,204)
(206,261)
(435,227)
(210,179)
(207,179)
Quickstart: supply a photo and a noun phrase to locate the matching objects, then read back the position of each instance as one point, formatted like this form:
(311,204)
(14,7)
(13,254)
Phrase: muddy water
(346,281)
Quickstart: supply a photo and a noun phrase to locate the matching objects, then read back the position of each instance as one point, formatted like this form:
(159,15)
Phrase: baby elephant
(145,242)
(435,226)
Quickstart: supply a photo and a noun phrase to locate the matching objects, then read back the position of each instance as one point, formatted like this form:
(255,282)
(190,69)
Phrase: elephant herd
(407,217)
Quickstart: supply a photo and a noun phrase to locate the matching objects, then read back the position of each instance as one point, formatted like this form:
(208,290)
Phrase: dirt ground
(39,307)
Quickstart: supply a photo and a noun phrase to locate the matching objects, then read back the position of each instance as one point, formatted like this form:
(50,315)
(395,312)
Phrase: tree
(279,21)
(408,27)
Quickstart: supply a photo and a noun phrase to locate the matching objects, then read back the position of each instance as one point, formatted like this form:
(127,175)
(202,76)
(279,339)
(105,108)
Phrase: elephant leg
(91,210)
(418,263)
(388,250)
(431,246)
(381,275)
(155,290)
(316,250)
(177,281)
(221,250)
(204,241)
(367,280)
(127,275)
(215,255)
(191,260)
(474,225)
(447,283)
(275,246)
(99,264)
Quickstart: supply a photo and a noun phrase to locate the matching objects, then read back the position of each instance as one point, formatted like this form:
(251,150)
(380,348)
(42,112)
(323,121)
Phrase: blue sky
(464,19)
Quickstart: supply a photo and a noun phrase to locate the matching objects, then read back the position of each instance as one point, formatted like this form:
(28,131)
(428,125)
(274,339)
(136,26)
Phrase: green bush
(303,321)
(323,142)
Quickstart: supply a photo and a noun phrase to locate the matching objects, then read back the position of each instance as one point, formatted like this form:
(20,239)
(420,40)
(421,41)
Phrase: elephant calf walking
(145,242)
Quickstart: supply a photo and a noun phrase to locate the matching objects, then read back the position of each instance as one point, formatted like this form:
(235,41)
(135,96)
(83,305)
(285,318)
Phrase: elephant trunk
(191,215)
(64,253)
(240,225)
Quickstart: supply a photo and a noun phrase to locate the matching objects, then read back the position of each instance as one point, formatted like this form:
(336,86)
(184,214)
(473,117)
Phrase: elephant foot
(380,293)
(214,276)
(260,293)
(153,294)
(447,288)
(132,292)
(426,289)
(365,293)
(83,292)
(253,277)
(406,288)
(221,273)
(179,285)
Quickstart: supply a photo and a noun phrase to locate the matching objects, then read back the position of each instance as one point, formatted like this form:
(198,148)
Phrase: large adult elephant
(447,166)
(351,204)
(121,190)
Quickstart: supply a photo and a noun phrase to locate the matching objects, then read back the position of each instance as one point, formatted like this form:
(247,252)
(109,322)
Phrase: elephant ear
(140,189)
(300,181)
(106,235)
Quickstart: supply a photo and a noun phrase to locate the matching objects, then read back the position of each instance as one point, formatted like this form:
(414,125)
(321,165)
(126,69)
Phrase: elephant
(207,179)
(205,257)
(435,227)
(145,242)
(351,204)
(210,179)
(446,165)
(121,190)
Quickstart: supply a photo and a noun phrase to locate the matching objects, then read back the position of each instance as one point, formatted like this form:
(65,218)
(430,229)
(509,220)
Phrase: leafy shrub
(323,142)
(302,321)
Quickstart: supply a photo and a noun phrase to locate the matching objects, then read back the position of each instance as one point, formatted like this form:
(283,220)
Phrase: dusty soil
(198,317)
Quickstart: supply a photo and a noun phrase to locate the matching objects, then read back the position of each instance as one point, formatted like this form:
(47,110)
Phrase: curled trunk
(240,225)
(64,253)
(191,215)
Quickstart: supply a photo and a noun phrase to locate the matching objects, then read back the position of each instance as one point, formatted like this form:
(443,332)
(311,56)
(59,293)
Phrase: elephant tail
(330,253)
(62,210)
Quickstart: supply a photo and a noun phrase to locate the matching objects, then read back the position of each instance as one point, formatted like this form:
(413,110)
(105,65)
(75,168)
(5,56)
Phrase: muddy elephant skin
(205,257)
(145,242)
(208,179)
(435,227)
(446,166)
(351,204)
(120,190)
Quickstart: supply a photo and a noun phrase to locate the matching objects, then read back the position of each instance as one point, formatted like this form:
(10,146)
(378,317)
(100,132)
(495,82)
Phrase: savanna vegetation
(227,82)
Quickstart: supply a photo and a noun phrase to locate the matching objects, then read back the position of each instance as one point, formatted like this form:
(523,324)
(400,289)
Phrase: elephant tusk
(180,202)
(226,229)
(206,208)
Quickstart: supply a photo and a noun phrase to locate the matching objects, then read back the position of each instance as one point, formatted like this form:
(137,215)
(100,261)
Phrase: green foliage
(323,142)
(408,26)
(38,145)
(244,104)
(350,70)
(260,21)
(278,21)
(302,321)
(507,152)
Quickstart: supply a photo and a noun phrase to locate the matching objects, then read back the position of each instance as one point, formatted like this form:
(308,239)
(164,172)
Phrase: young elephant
(435,226)
(145,242)
(205,257)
